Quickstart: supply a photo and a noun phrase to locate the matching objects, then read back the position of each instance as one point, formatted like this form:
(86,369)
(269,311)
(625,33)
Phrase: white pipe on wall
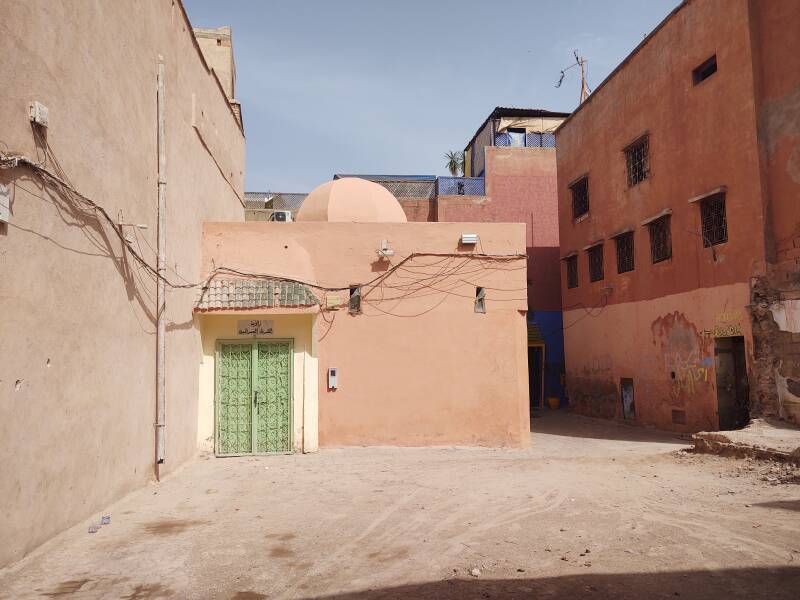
(161,387)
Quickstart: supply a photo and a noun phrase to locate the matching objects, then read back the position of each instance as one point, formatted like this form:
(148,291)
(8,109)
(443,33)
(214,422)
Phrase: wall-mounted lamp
(384,251)
(469,239)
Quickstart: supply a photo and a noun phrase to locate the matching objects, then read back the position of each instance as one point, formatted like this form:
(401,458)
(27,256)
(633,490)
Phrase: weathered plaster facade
(417,365)
(77,379)
(658,324)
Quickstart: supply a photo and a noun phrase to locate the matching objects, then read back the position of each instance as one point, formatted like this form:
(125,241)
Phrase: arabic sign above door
(254,327)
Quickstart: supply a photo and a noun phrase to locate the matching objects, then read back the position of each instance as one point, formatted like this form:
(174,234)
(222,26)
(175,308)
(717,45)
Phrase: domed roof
(351,200)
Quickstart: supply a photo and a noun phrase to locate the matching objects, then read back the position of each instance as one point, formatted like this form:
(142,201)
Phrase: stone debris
(475,572)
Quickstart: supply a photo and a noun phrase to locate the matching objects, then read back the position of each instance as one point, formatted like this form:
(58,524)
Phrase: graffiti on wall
(592,389)
(687,360)
(726,324)
(687,372)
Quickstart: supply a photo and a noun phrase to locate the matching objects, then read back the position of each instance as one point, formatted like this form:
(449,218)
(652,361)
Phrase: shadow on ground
(562,423)
(773,583)
(782,504)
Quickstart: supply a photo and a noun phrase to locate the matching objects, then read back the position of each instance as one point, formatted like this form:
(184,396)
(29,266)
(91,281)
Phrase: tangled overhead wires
(61,182)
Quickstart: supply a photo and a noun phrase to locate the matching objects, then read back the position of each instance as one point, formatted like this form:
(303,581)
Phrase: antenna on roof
(579,62)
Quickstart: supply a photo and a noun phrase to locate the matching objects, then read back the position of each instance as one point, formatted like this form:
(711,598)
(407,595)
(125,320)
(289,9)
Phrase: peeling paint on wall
(687,361)
(787,315)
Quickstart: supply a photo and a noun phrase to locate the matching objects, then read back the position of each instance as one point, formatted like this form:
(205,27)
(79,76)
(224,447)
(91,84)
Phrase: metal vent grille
(595,254)
(580,197)
(660,239)
(715,224)
(572,271)
(625,262)
(638,160)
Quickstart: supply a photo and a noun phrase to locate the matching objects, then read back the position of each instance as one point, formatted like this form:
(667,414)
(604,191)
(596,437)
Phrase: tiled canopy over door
(234,399)
(273,387)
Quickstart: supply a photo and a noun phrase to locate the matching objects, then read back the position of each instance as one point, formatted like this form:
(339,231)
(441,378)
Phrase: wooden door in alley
(732,388)
(253,397)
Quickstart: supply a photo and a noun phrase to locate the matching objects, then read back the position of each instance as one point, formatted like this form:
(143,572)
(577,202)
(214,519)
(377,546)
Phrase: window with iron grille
(580,197)
(715,225)
(572,271)
(638,159)
(624,244)
(595,254)
(660,239)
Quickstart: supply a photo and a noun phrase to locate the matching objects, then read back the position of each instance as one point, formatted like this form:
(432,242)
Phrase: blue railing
(527,140)
(460,186)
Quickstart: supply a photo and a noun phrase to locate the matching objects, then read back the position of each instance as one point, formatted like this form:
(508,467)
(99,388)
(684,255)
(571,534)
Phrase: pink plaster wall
(416,367)
(701,137)
(77,376)
(520,188)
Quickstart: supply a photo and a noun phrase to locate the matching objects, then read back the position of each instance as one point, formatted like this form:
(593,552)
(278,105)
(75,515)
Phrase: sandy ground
(592,510)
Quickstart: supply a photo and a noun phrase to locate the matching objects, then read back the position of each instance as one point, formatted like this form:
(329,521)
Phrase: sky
(389,86)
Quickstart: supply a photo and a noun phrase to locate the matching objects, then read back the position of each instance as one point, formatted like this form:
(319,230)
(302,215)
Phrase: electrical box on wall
(333,378)
(39,114)
(5,204)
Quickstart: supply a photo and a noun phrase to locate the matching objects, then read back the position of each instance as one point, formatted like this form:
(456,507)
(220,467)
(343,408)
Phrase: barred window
(572,271)
(715,225)
(660,239)
(624,244)
(595,254)
(580,197)
(638,160)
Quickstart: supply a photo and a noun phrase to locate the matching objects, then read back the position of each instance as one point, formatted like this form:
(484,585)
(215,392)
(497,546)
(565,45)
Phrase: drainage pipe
(161,386)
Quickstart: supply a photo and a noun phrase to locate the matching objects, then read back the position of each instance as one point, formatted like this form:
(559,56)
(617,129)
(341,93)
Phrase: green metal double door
(254,397)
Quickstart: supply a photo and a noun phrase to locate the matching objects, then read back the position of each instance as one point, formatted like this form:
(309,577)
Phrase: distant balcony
(525,140)
(460,186)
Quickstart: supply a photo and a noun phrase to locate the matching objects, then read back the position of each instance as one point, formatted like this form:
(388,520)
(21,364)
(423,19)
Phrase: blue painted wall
(551,324)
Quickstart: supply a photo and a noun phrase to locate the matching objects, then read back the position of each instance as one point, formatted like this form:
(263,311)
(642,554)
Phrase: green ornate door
(272,387)
(253,397)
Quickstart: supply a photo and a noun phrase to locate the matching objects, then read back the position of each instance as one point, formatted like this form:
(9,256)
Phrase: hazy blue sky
(374,86)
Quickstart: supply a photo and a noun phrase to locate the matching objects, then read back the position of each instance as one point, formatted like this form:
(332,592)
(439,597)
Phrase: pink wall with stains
(702,136)
(418,366)
(520,188)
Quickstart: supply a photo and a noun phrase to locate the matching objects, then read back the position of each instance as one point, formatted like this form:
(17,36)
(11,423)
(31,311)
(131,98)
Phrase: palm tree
(455,163)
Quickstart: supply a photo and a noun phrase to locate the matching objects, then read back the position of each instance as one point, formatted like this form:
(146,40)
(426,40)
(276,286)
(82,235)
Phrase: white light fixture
(38,113)
(469,239)
(384,251)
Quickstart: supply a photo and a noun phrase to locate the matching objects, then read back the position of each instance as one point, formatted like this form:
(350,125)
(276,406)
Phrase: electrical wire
(61,181)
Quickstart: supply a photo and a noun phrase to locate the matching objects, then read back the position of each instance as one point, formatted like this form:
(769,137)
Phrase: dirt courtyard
(592,510)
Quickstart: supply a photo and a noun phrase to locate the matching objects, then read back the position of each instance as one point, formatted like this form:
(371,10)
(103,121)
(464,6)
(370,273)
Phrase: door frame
(253,357)
(542,399)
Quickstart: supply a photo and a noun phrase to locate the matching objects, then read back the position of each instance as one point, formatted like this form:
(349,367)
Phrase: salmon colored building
(509,177)
(353,326)
(678,196)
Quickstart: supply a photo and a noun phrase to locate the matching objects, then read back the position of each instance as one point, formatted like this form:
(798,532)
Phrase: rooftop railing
(460,186)
(525,140)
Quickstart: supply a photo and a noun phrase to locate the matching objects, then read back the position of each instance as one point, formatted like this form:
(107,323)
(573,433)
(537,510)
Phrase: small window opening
(580,197)
(637,157)
(660,239)
(714,222)
(354,305)
(705,70)
(572,271)
(219,42)
(516,137)
(480,300)
(595,254)
(625,262)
